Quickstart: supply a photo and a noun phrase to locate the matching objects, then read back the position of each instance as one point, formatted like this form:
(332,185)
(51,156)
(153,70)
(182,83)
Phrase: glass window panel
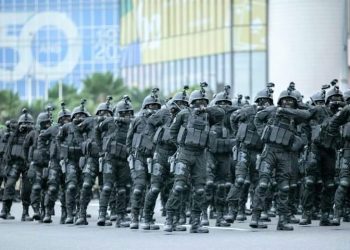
(212,74)
(241,12)
(258,33)
(165,77)
(241,38)
(241,74)
(185,70)
(258,71)
(220,71)
(179,74)
(228,69)
(227,13)
(258,12)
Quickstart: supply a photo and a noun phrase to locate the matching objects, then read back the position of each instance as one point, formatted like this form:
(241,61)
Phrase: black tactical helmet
(44,117)
(224,96)
(25,117)
(64,112)
(289,93)
(317,97)
(124,105)
(80,109)
(105,106)
(237,101)
(199,94)
(266,93)
(181,96)
(151,99)
(333,91)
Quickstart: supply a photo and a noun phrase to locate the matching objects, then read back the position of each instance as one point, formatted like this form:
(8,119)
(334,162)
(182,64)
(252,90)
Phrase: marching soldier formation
(222,158)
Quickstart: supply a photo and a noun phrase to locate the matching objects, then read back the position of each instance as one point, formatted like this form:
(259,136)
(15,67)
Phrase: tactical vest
(246,132)
(35,154)
(219,141)
(196,132)
(17,150)
(345,130)
(71,147)
(280,132)
(114,142)
(142,139)
(162,135)
(3,143)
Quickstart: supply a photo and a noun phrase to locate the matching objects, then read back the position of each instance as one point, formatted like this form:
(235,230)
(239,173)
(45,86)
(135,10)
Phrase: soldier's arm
(260,120)
(62,133)
(28,141)
(300,115)
(338,120)
(130,135)
(234,120)
(175,126)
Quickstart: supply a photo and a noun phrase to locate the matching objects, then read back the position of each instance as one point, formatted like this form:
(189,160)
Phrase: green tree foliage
(10,105)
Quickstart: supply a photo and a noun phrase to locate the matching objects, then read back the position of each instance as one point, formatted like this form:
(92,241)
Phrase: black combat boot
(255,221)
(36,215)
(336,218)
(63,215)
(149,223)
(5,212)
(113,216)
(81,221)
(220,221)
(121,221)
(204,218)
(134,220)
(283,225)
(241,214)
(272,210)
(325,221)
(177,226)
(196,226)
(25,214)
(169,222)
(102,217)
(70,216)
(47,218)
(231,214)
(305,219)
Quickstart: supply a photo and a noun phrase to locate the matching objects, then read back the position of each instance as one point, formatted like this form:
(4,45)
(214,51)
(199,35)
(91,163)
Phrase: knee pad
(36,187)
(263,184)
(309,181)
(121,191)
(221,186)
(52,189)
(293,186)
(86,185)
(239,181)
(155,190)
(106,189)
(179,186)
(344,182)
(71,187)
(137,191)
(329,184)
(285,188)
(200,191)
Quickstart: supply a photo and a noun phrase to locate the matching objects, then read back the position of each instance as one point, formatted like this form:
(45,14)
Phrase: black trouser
(246,175)
(160,176)
(281,160)
(340,197)
(73,184)
(218,168)
(320,168)
(56,180)
(189,167)
(16,168)
(40,184)
(116,175)
(90,172)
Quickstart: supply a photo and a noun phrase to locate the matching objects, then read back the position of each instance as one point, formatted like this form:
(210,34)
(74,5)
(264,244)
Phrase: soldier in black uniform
(191,131)
(320,165)
(17,166)
(165,148)
(89,163)
(70,139)
(111,138)
(56,177)
(140,146)
(39,162)
(282,145)
(249,146)
(219,156)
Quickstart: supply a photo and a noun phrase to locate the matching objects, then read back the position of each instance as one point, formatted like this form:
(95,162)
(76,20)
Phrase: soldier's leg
(293,192)
(160,171)
(52,191)
(109,177)
(9,191)
(265,167)
(341,192)
(181,174)
(35,196)
(90,173)
(123,179)
(310,184)
(139,176)
(71,190)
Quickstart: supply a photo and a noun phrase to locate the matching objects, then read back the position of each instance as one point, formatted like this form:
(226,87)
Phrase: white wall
(306,44)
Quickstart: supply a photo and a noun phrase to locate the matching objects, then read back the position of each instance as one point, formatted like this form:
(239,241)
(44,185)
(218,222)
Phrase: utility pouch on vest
(158,135)
(266,134)
(181,135)
(17,151)
(315,132)
(346,131)
(297,143)
(242,131)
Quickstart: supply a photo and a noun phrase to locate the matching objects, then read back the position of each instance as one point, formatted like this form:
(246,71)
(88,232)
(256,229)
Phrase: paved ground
(37,236)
